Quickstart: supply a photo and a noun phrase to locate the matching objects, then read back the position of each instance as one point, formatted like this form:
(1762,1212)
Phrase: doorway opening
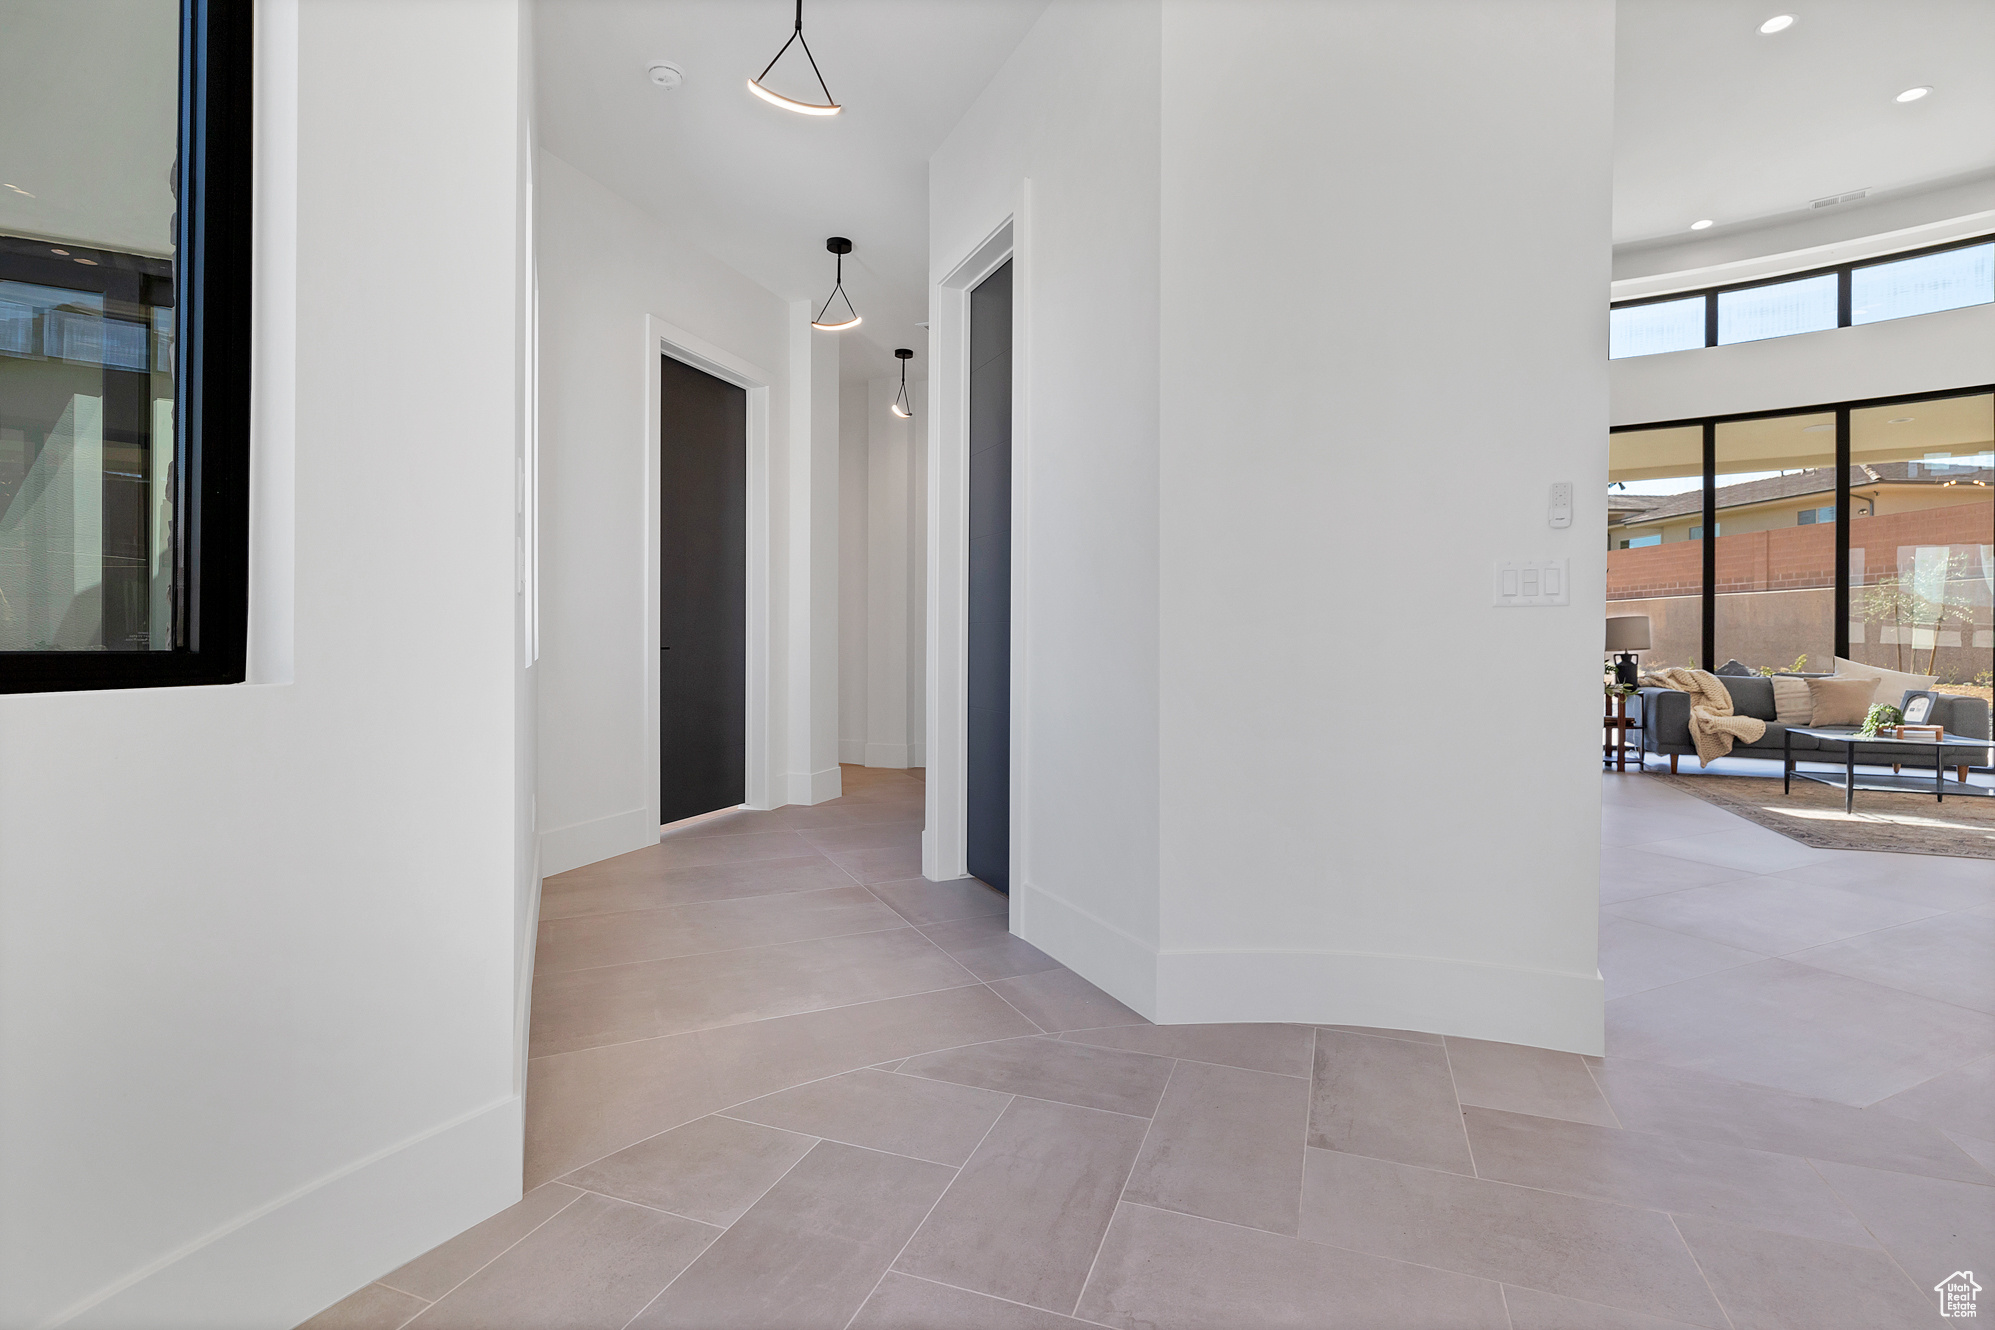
(988,833)
(702,590)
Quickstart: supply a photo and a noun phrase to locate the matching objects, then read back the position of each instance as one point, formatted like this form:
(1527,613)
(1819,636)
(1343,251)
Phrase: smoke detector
(666,74)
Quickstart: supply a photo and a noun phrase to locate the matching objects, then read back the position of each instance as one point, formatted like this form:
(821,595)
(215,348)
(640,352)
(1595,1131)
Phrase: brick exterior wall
(1791,558)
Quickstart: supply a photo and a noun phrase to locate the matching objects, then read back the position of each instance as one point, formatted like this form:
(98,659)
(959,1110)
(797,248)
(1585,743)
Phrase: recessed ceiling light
(1778,23)
(63,252)
(1913,94)
(1701,225)
(1899,420)
(88,263)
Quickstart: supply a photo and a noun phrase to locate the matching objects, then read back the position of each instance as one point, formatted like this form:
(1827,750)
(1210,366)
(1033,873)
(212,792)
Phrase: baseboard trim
(814,787)
(917,755)
(887,755)
(852,752)
(572,846)
(1119,963)
(285,1261)
(1506,1004)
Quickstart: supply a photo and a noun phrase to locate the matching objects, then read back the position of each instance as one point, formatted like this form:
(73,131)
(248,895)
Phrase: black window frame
(211,412)
(1708,587)
(1842,271)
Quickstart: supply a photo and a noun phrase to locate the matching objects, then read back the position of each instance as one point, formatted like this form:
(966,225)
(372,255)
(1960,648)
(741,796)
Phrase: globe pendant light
(827,107)
(902,406)
(840,246)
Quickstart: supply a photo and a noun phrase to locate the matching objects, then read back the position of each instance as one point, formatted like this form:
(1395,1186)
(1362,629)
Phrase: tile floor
(779,1081)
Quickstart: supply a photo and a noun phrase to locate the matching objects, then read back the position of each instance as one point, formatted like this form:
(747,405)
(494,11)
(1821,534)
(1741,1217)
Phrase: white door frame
(944,840)
(662,338)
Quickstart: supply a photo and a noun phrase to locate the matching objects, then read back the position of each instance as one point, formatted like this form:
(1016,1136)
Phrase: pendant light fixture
(902,406)
(827,107)
(840,246)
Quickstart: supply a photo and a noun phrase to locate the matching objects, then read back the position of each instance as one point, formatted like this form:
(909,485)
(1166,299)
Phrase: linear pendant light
(902,406)
(840,246)
(827,107)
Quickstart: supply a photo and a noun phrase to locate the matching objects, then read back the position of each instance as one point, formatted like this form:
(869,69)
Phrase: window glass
(1922,540)
(1647,330)
(1778,310)
(1947,280)
(1655,498)
(1776,575)
(86,325)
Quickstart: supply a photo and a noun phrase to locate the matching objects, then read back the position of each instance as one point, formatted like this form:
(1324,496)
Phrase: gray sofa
(1665,716)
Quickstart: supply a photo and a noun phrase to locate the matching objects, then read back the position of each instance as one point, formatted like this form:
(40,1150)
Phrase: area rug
(1813,814)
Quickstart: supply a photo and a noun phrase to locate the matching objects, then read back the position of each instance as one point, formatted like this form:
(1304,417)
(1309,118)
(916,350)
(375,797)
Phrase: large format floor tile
(597,1262)
(1636,957)
(1387,1098)
(712,1169)
(1045,1068)
(1526,1080)
(1281,1049)
(1946,957)
(906,1115)
(1591,1250)
(1226,1144)
(1676,1102)
(1770,1281)
(788,1128)
(1164,1271)
(1927,1223)
(1025,1216)
(1757,1188)
(616,1003)
(902,1302)
(1768,915)
(808,1254)
(1800,1029)
(588,941)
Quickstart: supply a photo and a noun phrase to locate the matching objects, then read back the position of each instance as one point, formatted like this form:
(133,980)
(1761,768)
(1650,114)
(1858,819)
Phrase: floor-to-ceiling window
(1922,538)
(1774,498)
(1655,524)
(1784,539)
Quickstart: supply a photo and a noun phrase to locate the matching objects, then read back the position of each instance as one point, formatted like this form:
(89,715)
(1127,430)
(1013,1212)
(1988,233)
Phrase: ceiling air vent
(1834,199)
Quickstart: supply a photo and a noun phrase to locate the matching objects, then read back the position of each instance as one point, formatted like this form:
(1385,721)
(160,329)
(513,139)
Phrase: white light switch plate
(1526,583)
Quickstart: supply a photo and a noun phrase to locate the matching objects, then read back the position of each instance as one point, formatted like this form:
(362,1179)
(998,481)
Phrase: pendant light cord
(797,38)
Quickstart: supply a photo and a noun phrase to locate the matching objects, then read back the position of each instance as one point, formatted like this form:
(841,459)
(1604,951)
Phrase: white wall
(883,547)
(257,942)
(1074,111)
(1321,368)
(1954,348)
(1240,334)
(605,265)
(854,445)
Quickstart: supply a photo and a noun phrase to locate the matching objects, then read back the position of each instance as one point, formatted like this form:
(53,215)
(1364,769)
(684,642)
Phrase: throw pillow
(1793,704)
(1891,684)
(1839,701)
(1733,669)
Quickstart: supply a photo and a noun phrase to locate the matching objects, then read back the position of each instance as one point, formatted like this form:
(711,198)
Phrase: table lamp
(1627,634)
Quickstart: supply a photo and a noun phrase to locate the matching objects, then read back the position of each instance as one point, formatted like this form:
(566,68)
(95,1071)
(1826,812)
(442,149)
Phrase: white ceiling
(1714,120)
(759,187)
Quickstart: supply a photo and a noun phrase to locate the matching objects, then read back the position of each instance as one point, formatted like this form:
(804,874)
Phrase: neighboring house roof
(1793,485)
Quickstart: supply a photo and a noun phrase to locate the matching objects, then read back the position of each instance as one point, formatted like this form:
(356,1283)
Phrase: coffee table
(1897,751)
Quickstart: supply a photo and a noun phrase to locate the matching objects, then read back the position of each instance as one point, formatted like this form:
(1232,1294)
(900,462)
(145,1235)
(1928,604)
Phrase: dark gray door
(989,839)
(702,588)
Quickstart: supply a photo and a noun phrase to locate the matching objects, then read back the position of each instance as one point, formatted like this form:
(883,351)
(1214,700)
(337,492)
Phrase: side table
(1617,723)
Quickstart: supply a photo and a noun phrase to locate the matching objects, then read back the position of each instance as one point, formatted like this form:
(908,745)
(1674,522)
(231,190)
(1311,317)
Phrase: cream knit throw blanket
(1712,724)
